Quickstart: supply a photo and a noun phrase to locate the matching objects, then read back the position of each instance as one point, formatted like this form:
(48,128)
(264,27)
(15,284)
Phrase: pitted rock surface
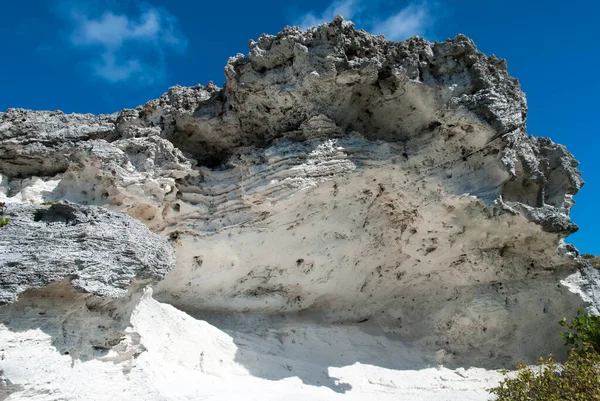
(337,178)
(100,252)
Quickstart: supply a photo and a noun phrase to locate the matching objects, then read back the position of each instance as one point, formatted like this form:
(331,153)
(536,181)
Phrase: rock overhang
(400,175)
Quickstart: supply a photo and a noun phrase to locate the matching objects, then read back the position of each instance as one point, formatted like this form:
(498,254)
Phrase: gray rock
(100,252)
(37,143)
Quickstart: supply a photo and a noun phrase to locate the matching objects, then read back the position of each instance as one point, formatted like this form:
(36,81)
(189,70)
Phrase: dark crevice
(57,213)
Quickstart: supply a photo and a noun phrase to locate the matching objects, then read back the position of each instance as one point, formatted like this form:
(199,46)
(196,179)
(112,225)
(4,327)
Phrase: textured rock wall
(100,252)
(339,177)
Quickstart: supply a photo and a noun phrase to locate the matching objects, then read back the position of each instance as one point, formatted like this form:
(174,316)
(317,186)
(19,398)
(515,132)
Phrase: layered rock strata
(341,178)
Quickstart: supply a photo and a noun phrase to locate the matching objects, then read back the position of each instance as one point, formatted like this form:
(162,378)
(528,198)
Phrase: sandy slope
(250,358)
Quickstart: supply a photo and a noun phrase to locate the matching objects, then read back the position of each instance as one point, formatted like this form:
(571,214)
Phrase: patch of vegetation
(578,379)
(48,203)
(583,331)
(3,220)
(595,260)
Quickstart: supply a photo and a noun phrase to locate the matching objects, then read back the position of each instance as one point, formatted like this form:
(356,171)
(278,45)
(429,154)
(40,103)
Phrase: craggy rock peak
(327,82)
(336,178)
(99,251)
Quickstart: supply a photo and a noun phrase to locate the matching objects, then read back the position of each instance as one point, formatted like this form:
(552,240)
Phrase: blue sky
(101,56)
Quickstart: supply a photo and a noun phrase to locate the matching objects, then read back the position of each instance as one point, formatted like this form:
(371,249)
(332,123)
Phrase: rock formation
(99,251)
(337,179)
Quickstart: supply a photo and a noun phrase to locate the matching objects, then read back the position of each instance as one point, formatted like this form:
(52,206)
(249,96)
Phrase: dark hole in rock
(57,213)
(351,53)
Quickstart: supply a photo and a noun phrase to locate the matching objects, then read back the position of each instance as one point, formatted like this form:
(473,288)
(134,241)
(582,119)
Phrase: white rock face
(348,213)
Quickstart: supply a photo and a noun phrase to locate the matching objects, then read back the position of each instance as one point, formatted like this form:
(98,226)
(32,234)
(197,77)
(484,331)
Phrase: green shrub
(583,330)
(4,221)
(577,380)
(595,260)
(48,203)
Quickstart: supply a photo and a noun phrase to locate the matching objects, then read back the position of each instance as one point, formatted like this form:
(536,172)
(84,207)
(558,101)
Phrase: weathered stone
(100,252)
(340,178)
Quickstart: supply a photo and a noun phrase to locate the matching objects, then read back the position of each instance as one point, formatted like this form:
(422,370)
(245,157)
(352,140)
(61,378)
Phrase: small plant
(577,380)
(3,220)
(583,331)
(594,260)
(48,203)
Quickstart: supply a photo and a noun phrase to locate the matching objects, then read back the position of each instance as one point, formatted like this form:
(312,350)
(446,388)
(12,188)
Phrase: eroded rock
(342,178)
(100,252)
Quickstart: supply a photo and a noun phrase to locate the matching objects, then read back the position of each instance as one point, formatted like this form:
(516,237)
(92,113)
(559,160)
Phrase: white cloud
(347,8)
(413,19)
(124,48)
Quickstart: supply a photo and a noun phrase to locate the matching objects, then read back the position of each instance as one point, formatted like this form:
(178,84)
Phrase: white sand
(252,358)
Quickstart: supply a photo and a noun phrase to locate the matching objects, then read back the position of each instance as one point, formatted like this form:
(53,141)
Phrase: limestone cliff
(336,178)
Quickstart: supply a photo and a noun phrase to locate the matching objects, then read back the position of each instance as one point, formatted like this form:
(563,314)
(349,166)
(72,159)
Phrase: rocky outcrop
(443,97)
(336,178)
(100,252)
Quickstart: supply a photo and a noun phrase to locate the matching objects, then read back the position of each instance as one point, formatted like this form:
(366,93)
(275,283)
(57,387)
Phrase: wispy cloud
(126,48)
(347,8)
(415,19)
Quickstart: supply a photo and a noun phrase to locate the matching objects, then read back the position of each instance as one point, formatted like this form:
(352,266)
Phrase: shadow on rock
(277,348)
(83,326)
